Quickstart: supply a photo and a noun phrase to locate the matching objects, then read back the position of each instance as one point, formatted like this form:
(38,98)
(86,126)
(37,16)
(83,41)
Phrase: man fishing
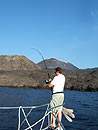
(57,98)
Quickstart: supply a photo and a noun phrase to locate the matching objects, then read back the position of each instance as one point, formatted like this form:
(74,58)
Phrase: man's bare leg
(53,119)
(59,117)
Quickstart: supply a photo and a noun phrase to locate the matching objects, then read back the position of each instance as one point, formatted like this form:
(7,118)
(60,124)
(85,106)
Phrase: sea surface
(84,104)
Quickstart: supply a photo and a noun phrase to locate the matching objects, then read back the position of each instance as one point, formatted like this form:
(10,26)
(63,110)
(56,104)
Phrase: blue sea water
(85,105)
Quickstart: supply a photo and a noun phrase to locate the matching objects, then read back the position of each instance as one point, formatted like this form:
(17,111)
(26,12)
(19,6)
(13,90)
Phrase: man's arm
(52,82)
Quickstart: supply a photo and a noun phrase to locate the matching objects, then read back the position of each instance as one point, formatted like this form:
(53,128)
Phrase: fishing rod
(43,60)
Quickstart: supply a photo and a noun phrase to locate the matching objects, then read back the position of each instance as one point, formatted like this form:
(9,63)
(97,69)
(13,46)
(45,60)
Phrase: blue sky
(63,29)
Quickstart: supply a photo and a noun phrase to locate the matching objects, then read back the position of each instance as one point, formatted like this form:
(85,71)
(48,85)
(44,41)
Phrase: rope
(38,121)
(44,118)
(9,108)
(31,111)
(26,118)
(48,111)
(32,107)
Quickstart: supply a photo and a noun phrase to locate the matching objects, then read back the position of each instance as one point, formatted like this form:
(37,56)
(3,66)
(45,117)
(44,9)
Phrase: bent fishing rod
(43,60)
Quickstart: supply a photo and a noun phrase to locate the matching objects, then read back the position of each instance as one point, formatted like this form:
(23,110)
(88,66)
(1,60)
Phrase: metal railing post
(19,118)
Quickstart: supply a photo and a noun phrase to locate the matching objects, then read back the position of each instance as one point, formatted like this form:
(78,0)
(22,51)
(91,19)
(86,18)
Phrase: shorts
(56,100)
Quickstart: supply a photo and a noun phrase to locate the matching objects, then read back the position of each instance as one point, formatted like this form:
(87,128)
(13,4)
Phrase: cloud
(95,28)
(94,13)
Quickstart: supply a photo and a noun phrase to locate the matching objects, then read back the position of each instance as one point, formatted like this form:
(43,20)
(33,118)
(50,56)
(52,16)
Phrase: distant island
(19,71)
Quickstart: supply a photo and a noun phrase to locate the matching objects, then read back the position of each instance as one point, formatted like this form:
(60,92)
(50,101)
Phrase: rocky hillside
(18,71)
(16,62)
(53,63)
(82,80)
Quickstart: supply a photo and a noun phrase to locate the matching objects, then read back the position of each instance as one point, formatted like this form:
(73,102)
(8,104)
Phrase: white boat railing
(30,127)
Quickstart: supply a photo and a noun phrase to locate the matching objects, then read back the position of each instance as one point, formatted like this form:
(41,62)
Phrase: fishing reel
(47,81)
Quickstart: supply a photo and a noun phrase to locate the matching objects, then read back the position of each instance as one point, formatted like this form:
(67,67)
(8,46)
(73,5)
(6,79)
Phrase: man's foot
(57,128)
(58,125)
(51,127)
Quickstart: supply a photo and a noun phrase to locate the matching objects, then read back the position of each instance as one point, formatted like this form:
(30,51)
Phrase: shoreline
(83,80)
(38,88)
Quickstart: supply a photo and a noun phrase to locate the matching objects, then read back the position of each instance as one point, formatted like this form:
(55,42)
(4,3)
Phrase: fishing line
(43,60)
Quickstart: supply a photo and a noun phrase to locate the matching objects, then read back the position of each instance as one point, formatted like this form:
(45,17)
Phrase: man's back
(58,82)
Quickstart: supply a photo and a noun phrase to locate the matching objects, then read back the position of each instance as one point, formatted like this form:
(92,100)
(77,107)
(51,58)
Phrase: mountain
(53,63)
(17,62)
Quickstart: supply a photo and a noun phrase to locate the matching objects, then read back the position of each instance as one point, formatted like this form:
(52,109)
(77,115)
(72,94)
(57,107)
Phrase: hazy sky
(63,29)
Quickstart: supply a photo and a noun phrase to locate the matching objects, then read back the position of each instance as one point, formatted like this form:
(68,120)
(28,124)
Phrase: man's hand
(50,80)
